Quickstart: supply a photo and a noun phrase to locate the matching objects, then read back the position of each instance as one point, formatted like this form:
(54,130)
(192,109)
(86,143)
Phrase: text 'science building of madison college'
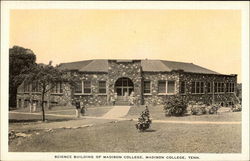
(150,82)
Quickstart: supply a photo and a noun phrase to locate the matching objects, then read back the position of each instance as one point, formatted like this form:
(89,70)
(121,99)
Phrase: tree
(46,76)
(20,59)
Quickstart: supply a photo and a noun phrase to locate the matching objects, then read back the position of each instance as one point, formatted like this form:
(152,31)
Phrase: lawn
(65,112)
(112,136)
(27,118)
(123,137)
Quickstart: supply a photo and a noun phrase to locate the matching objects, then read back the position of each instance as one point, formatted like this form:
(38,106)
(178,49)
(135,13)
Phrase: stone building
(149,81)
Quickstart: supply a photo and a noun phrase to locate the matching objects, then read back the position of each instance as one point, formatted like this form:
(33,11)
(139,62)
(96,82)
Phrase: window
(26,87)
(227,87)
(197,87)
(202,87)
(215,87)
(171,87)
(182,87)
(35,87)
(162,87)
(78,87)
(83,87)
(102,86)
(230,87)
(193,87)
(146,87)
(219,87)
(209,87)
(86,87)
(222,87)
(166,86)
(57,88)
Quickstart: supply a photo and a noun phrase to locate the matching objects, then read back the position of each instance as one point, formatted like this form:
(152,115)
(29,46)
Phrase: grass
(62,110)
(123,137)
(110,136)
(22,118)
(157,113)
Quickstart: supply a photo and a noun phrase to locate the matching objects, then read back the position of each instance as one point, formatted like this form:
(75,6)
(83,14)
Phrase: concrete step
(121,103)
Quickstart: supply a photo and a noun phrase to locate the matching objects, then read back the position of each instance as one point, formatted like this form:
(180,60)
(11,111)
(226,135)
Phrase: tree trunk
(43,112)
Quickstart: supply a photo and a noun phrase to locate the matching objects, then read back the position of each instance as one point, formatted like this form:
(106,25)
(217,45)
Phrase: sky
(209,38)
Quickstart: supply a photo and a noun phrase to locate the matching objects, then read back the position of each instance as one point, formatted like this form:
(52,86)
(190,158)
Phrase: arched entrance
(124,86)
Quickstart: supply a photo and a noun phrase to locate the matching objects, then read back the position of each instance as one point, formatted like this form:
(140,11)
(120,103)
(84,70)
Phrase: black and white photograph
(124,80)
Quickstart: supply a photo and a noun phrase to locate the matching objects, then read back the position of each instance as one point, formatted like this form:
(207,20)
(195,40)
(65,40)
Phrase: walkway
(117,112)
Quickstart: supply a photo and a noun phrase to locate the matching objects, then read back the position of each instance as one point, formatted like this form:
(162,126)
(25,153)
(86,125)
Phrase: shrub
(198,108)
(175,106)
(212,109)
(236,108)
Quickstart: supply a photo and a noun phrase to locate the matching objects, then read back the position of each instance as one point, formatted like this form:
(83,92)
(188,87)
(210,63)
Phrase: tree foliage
(46,76)
(20,59)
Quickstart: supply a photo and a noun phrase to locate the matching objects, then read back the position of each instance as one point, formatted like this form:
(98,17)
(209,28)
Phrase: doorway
(124,86)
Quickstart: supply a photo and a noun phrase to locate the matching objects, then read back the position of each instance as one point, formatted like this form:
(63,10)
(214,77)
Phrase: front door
(124,86)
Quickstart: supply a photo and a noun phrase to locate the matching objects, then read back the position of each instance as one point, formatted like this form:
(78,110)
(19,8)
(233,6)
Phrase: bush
(198,108)
(213,109)
(175,106)
(236,108)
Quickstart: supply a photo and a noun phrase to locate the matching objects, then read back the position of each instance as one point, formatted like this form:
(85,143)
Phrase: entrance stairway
(121,101)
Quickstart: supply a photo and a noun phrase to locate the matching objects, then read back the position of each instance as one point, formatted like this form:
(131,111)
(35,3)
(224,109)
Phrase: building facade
(149,81)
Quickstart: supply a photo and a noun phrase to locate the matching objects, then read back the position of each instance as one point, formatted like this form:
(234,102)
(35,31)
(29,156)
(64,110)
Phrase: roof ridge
(77,61)
(177,61)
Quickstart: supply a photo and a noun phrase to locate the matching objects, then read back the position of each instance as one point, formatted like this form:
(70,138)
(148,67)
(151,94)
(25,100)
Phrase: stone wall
(50,98)
(224,97)
(94,98)
(156,98)
(131,70)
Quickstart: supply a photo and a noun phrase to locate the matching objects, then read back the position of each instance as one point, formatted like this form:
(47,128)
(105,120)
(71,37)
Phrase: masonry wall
(154,97)
(223,98)
(50,98)
(130,70)
(133,71)
(94,98)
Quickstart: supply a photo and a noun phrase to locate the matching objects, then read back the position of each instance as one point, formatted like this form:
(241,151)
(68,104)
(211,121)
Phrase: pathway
(117,112)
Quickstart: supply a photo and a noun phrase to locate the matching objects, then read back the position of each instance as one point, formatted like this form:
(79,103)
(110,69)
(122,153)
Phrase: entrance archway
(124,86)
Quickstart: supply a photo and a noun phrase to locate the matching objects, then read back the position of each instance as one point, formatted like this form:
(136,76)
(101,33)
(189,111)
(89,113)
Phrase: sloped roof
(154,66)
(101,65)
(187,67)
(74,65)
(95,66)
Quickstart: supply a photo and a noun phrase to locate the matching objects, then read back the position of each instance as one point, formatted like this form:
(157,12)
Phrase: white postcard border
(8,5)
